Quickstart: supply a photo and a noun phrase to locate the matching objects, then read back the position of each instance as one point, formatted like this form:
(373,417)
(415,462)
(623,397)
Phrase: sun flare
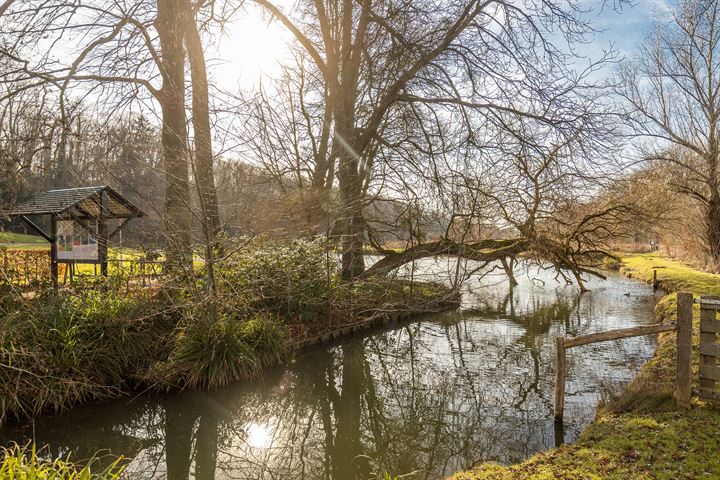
(254,47)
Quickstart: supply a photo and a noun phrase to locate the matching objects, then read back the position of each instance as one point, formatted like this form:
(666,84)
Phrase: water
(430,396)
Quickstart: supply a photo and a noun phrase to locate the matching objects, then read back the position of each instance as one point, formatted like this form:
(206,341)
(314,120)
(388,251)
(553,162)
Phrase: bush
(27,267)
(290,279)
(209,354)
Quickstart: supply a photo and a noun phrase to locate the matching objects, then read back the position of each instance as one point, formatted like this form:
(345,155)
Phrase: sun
(253,48)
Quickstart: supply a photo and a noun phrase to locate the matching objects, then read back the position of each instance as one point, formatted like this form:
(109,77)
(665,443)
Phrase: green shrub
(24,464)
(209,353)
(268,337)
(290,279)
(612,263)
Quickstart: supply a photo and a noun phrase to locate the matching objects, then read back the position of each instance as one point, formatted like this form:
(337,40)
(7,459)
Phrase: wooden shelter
(78,223)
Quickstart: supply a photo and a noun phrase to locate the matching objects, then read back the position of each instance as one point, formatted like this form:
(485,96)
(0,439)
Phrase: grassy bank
(98,341)
(640,435)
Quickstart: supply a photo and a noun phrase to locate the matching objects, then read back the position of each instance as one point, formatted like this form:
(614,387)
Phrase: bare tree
(382,77)
(673,89)
(131,50)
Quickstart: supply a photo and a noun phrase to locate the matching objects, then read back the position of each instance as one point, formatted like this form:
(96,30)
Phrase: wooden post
(559,378)
(53,253)
(683,383)
(655,282)
(708,336)
(103,234)
(559,433)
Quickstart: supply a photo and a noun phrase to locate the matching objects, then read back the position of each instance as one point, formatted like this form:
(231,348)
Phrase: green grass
(25,464)
(672,275)
(14,238)
(640,435)
(19,241)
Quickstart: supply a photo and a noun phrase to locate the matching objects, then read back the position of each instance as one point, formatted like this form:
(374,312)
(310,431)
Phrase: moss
(641,435)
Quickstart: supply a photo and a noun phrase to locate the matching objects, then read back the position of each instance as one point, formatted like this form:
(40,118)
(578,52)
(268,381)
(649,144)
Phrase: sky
(626,28)
(254,46)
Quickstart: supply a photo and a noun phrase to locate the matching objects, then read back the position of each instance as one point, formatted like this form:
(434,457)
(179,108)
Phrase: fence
(25,267)
(709,370)
(31,268)
(136,270)
(683,327)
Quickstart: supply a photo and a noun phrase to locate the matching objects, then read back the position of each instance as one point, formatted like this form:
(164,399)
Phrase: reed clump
(59,350)
(211,353)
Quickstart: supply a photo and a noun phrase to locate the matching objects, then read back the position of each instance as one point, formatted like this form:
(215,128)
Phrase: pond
(430,396)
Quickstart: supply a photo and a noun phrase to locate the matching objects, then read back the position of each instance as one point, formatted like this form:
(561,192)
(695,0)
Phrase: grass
(24,464)
(10,238)
(19,241)
(672,275)
(209,354)
(640,435)
(59,350)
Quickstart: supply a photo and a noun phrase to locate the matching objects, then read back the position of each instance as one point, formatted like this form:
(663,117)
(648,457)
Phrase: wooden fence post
(683,382)
(655,281)
(559,378)
(709,350)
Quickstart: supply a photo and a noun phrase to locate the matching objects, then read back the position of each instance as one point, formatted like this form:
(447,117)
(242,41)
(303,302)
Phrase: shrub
(268,337)
(27,267)
(290,279)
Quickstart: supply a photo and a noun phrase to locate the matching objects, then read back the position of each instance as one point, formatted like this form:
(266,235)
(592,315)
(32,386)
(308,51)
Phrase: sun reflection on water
(258,435)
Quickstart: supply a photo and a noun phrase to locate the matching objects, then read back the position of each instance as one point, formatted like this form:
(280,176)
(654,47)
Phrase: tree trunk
(171,25)
(509,270)
(713,227)
(205,177)
(353,234)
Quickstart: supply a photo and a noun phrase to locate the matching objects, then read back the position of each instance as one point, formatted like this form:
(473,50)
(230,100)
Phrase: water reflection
(432,396)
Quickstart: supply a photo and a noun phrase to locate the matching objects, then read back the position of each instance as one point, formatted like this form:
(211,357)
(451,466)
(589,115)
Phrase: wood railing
(683,390)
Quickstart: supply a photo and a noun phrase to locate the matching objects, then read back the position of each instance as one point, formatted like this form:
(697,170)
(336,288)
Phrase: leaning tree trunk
(171,25)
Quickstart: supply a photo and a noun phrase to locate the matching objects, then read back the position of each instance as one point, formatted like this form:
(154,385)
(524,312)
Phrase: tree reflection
(179,425)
